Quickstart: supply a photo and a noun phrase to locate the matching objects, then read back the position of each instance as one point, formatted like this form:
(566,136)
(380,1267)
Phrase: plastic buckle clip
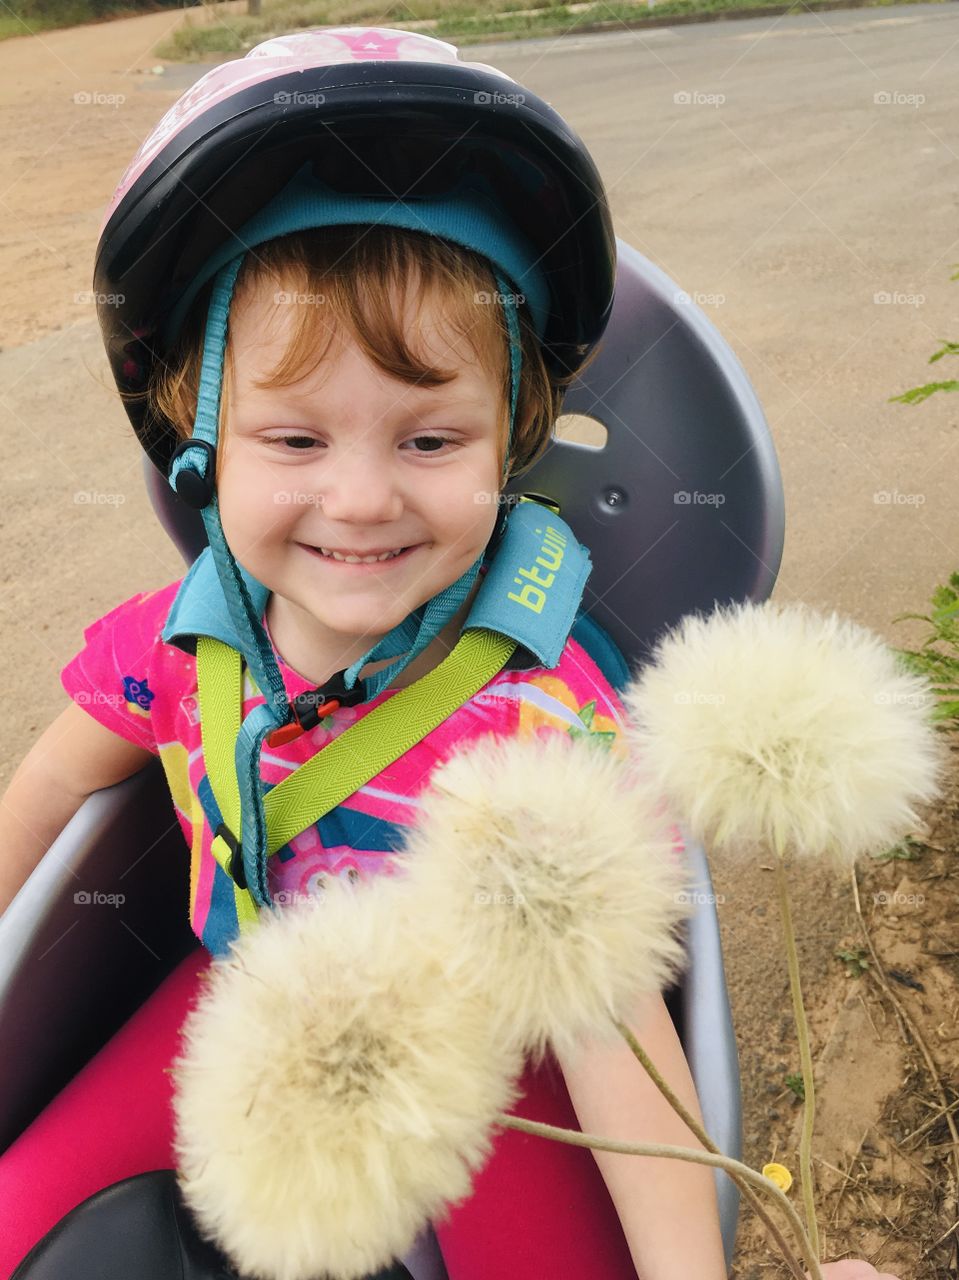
(310,707)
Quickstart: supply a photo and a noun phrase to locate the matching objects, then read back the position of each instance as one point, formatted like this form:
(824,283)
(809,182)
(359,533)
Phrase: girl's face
(352,460)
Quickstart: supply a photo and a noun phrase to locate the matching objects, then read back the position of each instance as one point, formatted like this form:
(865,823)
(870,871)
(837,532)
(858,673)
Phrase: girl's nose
(359,487)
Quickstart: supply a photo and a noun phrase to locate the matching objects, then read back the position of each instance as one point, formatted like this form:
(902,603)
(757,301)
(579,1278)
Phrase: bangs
(369,283)
(361,287)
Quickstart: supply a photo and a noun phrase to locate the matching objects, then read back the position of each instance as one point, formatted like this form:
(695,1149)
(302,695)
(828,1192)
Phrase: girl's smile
(360,560)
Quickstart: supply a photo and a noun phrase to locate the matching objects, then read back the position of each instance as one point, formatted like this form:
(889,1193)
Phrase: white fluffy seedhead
(552,873)
(334,1092)
(771,725)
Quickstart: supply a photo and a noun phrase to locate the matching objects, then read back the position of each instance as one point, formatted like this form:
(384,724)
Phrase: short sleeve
(113,676)
(574,698)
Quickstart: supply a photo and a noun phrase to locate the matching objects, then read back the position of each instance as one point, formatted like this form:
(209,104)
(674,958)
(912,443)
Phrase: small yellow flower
(779,1174)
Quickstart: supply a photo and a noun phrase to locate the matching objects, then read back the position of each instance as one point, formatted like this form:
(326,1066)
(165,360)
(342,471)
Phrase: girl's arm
(74,757)
(668,1208)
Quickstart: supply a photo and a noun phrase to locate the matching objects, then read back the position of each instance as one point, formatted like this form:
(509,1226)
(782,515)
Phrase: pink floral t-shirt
(129,680)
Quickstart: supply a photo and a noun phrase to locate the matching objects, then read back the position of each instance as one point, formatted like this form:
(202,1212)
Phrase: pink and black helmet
(374,112)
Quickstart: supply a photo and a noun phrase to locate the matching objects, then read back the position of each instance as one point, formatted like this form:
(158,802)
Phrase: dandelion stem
(805,1056)
(661,1150)
(693,1124)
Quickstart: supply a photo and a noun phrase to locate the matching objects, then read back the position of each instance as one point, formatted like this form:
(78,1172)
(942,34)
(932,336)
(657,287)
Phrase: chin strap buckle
(311,706)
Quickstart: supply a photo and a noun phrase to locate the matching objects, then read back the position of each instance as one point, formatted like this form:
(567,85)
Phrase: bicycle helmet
(373,111)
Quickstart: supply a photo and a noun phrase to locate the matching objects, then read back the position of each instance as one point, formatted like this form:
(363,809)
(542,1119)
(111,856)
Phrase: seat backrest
(681,507)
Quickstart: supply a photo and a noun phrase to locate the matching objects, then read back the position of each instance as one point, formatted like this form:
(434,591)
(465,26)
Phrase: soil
(883,1146)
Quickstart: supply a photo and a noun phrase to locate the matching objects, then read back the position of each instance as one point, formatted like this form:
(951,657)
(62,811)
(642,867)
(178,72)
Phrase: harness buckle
(312,705)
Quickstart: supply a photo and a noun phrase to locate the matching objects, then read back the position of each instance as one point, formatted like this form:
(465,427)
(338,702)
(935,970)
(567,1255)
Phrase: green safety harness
(343,765)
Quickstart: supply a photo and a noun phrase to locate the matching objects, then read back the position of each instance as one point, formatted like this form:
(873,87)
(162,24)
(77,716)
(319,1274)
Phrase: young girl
(355,276)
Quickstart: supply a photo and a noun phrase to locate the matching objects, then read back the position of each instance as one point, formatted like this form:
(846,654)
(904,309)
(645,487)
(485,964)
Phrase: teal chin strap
(194,466)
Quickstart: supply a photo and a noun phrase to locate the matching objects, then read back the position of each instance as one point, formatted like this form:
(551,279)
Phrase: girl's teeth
(335,555)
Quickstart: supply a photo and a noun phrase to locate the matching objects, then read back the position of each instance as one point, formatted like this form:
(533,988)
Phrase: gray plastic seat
(681,509)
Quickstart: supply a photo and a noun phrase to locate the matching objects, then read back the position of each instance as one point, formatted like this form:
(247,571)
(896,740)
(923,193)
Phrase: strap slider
(192,487)
(235,869)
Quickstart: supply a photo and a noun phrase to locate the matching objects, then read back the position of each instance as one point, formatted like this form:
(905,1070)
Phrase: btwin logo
(533,594)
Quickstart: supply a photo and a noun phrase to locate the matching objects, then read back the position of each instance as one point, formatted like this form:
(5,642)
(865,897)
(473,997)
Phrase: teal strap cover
(535,583)
(530,594)
(200,608)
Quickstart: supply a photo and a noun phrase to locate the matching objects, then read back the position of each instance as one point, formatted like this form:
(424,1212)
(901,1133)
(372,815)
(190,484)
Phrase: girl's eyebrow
(444,397)
(448,391)
(464,393)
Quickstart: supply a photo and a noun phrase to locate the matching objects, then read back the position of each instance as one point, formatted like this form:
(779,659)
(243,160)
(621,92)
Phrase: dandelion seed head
(334,1093)
(774,725)
(556,882)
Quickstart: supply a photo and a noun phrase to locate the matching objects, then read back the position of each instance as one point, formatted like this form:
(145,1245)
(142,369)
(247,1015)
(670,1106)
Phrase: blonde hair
(353,273)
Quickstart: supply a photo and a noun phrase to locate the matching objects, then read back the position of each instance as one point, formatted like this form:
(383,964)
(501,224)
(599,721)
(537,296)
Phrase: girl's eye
(438,441)
(435,443)
(296,442)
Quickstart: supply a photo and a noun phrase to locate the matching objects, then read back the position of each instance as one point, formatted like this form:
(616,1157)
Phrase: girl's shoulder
(573,697)
(139,619)
(124,672)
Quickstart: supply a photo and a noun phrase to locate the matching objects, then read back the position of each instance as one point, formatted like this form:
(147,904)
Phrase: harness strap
(220,695)
(343,765)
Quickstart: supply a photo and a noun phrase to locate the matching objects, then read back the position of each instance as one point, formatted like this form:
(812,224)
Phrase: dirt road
(799,177)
